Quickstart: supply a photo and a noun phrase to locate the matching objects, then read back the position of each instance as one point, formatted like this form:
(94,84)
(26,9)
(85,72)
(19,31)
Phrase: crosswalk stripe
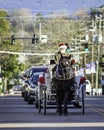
(50,125)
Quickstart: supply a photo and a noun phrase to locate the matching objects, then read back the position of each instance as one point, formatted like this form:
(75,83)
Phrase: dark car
(29,93)
(24,82)
(37,69)
(31,88)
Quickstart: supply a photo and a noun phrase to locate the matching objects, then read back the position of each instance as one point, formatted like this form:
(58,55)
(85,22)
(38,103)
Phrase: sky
(49,6)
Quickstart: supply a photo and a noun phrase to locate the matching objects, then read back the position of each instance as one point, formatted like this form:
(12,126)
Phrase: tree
(9,63)
(10,66)
(4,23)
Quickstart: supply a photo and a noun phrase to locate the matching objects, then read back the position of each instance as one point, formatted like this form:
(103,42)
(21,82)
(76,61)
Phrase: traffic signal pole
(92,74)
(85,64)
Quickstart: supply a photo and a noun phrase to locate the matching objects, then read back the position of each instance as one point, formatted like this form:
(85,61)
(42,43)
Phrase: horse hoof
(65,114)
(59,114)
(77,105)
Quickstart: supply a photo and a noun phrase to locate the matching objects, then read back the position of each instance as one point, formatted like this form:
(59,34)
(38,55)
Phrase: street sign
(102,82)
(43,38)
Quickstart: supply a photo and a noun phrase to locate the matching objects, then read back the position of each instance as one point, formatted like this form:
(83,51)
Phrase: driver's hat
(62,45)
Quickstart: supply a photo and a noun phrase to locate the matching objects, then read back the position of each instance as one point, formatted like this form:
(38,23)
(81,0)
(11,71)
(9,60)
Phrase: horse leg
(59,102)
(59,107)
(67,91)
(65,111)
(59,98)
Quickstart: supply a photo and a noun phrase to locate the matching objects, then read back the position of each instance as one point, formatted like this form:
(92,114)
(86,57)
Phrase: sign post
(102,83)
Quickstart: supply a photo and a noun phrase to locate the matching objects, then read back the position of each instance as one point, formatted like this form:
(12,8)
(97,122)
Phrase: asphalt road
(16,114)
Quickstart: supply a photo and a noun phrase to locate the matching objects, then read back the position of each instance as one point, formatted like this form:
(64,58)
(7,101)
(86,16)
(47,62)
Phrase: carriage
(47,93)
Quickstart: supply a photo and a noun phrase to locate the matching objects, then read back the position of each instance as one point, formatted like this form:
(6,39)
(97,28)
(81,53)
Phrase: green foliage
(10,65)
(4,23)
(7,46)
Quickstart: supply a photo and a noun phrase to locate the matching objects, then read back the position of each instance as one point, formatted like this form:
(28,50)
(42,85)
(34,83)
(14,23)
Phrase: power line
(40,54)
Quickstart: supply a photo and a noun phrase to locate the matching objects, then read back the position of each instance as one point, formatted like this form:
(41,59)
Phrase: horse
(63,79)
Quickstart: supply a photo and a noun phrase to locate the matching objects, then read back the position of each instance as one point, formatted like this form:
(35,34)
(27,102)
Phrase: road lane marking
(96,109)
(50,125)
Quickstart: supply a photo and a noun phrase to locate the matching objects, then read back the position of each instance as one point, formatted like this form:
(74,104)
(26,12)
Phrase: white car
(97,92)
(15,90)
(88,87)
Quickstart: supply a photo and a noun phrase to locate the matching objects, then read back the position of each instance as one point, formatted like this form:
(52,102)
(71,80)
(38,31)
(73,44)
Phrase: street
(16,114)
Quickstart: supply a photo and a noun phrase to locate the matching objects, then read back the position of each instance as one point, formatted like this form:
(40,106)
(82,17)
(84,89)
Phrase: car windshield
(37,69)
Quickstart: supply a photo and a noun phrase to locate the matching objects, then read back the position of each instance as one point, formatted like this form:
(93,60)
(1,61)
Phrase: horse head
(65,61)
(65,67)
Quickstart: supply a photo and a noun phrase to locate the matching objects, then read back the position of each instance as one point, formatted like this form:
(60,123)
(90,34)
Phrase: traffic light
(12,39)
(86,47)
(68,49)
(35,39)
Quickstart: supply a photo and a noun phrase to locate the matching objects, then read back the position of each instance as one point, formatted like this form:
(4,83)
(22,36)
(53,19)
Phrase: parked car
(97,92)
(22,87)
(25,91)
(36,69)
(16,89)
(88,87)
(29,92)
(24,81)
(31,89)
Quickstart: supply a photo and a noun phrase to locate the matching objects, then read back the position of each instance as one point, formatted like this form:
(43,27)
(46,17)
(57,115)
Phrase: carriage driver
(61,51)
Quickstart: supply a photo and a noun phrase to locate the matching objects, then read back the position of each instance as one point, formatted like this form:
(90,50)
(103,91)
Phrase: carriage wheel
(83,110)
(44,101)
(39,104)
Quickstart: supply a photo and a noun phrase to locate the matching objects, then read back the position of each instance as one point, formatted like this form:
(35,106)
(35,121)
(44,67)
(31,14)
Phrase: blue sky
(48,6)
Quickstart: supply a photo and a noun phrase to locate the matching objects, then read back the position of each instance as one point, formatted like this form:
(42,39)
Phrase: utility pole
(92,74)
(99,18)
(92,48)
(85,64)
(86,49)
(40,31)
